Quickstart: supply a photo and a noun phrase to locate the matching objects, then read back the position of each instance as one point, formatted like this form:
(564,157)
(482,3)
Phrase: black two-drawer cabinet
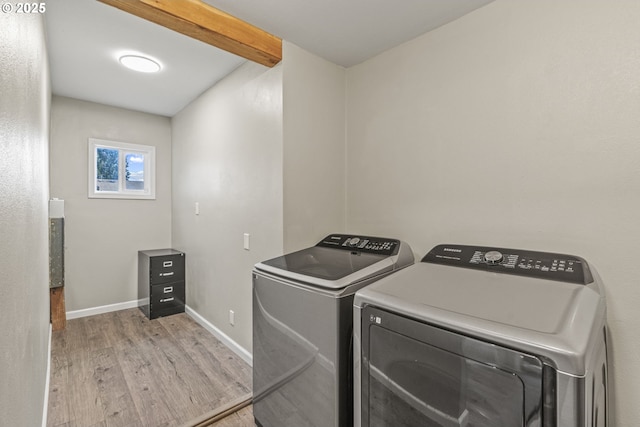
(161,282)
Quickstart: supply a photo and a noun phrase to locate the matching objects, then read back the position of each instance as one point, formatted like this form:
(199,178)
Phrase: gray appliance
(302,328)
(482,337)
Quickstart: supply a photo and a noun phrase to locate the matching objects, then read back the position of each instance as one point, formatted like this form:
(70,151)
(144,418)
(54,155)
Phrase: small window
(120,170)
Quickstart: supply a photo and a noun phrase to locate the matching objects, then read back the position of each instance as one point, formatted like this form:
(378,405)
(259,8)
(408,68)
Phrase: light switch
(197,208)
(246,241)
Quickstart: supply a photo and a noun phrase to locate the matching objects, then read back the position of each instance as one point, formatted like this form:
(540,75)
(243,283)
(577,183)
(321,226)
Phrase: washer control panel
(543,265)
(377,245)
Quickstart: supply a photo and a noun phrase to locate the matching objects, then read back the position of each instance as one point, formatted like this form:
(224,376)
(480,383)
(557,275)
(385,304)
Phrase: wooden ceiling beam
(201,21)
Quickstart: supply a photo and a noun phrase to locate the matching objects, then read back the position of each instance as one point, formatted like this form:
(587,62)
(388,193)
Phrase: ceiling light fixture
(140,63)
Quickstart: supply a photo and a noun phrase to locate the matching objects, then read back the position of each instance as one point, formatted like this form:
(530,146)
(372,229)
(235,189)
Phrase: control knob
(354,241)
(493,257)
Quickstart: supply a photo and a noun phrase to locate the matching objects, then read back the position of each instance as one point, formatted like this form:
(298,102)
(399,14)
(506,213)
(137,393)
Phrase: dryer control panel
(375,245)
(543,265)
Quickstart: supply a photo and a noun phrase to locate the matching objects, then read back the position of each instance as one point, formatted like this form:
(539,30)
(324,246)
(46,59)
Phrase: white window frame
(149,153)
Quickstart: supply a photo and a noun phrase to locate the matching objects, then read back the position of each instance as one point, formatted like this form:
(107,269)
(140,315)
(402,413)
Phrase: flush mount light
(140,63)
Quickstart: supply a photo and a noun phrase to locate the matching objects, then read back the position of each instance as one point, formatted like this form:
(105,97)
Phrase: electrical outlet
(232,318)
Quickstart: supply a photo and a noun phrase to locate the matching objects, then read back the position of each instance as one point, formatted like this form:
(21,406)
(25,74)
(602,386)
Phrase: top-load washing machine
(482,337)
(302,328)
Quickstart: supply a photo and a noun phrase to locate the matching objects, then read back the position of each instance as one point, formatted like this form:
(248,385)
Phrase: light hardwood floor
(120,369)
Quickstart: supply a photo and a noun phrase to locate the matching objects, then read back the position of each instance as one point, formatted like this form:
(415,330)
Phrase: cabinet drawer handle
(167,289)
(171,273)
(166,299)
(167,264)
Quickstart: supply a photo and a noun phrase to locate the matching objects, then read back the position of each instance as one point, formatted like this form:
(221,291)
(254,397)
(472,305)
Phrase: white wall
(103,236)
(515,126)
(227,156)
(314,148)
(24,191)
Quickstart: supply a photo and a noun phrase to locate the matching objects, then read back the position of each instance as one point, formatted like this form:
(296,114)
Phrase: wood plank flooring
(120,369)
(242,418)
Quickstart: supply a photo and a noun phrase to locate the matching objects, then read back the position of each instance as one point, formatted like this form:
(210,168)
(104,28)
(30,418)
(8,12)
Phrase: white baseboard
(243,353)
(45,409)
(103,309)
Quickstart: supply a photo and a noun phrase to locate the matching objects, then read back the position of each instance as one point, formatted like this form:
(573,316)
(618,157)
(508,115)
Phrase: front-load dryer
(482,337)
(302,328)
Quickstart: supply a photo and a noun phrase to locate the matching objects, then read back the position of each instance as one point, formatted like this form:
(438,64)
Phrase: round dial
(354,241)
(492,257)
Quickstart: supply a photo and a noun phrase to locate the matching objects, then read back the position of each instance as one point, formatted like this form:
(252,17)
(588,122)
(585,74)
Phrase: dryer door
(415,374)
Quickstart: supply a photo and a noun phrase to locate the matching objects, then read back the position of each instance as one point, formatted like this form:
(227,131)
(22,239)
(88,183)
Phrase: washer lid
(324,263)
(340,260)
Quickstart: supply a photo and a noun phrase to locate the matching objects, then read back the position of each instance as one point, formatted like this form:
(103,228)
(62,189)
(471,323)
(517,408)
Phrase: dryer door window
(413,379)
